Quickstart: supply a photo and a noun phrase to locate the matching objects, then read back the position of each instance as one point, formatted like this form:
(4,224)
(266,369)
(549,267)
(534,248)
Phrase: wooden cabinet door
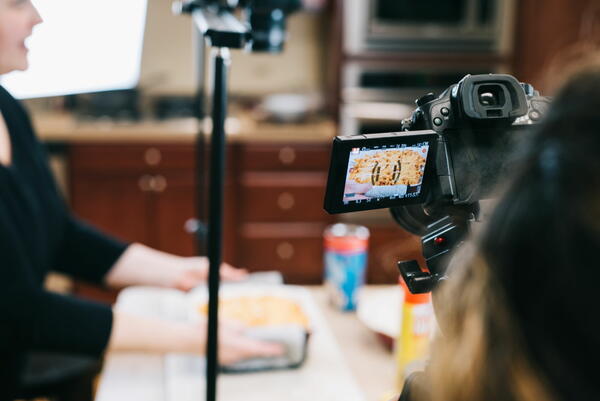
(114,203)
(281,218)
(173,213)
(294,249)
(284,157)
(283,197)
(137,192)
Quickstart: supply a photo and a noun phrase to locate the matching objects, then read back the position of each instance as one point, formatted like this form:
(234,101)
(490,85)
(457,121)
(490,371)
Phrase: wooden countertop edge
(67,129)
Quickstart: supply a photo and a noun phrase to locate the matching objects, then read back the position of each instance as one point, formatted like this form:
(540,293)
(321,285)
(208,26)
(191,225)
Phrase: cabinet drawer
(283,197)
(285,157)
(294,249)
(100,156)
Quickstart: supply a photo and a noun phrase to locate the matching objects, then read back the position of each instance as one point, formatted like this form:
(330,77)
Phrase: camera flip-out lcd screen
(379,170)
(393,171)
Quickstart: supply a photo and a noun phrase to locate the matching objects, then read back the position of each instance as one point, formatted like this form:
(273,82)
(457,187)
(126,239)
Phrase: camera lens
(491,96)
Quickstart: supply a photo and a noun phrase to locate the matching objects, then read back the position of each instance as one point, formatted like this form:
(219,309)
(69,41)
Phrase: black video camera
(264,21)
(448,156)
(267,19)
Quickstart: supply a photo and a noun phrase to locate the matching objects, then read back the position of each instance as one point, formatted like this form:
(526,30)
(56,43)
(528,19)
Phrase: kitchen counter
(345,362)
(242,127)
(371,364)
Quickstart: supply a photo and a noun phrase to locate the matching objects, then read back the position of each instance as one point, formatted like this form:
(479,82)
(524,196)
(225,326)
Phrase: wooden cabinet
(273,200)
(141,193)
(274,217)
(137,192)
(280,209)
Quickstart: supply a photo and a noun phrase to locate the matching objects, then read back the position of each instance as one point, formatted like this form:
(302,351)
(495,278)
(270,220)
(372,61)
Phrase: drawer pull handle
(159,184)
(152,156)
(286,201)
(145,183)
(285,251)
(287,155)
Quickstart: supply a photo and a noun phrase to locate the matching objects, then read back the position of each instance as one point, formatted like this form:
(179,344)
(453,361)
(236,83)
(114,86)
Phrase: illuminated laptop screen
(82,46)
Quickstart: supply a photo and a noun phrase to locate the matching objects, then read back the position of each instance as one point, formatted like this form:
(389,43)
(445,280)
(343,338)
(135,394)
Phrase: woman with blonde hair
(517,313)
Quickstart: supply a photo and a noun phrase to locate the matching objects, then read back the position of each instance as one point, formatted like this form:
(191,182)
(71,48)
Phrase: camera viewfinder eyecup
(492,97)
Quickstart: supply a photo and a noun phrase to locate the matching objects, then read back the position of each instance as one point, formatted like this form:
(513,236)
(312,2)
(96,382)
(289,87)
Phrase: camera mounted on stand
(449,155)
(261,27)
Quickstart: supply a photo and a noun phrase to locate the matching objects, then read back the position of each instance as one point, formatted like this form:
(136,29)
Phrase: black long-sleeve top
(38,234)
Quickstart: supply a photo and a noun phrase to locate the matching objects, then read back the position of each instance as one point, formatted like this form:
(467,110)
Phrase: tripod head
(262,27)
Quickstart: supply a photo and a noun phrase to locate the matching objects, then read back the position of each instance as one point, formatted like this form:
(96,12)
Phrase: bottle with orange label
(412,345)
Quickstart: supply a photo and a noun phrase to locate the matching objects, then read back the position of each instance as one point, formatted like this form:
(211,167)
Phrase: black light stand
(215,215)
(222,31)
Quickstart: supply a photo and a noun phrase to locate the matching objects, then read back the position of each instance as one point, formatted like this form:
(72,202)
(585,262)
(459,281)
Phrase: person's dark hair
(542,243)
(519,316)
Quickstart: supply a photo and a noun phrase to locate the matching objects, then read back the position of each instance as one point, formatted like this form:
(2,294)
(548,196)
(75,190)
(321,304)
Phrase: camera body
(267,19)
(263,25)
(453,152)
(483,121)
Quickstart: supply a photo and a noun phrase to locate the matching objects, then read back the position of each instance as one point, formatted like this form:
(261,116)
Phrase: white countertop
(346,362)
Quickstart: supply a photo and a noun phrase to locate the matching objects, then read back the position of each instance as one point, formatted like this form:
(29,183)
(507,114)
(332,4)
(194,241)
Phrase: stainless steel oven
(372,117)
(428,25)
(376,96)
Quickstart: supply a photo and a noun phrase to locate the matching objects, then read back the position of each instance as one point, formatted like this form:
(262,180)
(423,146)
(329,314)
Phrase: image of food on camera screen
(391,172)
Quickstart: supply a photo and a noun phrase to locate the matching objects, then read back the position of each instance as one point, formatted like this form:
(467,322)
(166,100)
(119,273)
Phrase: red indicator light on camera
(439,240)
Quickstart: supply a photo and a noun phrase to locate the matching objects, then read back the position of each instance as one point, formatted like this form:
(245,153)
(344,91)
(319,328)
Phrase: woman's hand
(235,346)
(141,265)
(188,273)
(145,334)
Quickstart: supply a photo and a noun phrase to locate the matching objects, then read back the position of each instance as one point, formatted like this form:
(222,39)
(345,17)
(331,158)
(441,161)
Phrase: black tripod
(221,31)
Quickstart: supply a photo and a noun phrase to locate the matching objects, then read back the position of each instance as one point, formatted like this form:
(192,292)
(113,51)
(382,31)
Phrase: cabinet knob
(195,226)
(159,183)
(145,182)
(285,250)
(286,201)
(287,155)
(152,156)
(191,226)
